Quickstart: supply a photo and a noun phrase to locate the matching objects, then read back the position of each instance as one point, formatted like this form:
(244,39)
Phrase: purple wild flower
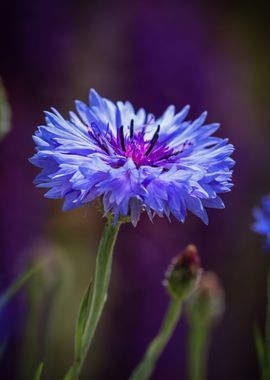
(132,160)
(262,219)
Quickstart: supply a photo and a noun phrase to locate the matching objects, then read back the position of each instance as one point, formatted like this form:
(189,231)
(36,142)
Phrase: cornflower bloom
(132,160)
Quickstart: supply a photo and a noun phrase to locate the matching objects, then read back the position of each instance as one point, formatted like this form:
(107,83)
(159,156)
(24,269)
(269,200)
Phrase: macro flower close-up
(134,161)
(134,151)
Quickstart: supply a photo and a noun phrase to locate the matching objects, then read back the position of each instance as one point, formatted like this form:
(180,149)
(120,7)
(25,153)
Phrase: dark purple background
(214,56)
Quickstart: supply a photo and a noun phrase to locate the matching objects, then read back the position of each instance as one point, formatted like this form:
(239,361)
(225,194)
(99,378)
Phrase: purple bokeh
(154,54)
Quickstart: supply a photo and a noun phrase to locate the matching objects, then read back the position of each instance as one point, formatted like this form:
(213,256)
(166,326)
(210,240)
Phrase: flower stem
(267,327)
(266,373)
(145,368)
(99,296)
(197,350)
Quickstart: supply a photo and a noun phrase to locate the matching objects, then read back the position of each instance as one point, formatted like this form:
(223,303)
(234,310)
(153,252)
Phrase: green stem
(260,349)
(267,331)
(198,350)
(267,327)
(145,368)
(99,296)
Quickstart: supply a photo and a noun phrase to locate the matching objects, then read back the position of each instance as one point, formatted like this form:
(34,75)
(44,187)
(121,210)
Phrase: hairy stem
(198,350)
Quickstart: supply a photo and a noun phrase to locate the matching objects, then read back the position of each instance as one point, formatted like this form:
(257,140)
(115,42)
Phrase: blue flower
(262,219)
(132,160)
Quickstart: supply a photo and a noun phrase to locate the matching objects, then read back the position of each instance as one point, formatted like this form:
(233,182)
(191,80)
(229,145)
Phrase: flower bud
(183,273)
(207,304)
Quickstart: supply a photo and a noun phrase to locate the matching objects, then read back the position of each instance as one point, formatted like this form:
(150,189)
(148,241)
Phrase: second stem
(147,365)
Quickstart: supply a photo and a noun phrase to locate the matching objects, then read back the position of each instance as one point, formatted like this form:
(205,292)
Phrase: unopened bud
(207,304)
(183,273)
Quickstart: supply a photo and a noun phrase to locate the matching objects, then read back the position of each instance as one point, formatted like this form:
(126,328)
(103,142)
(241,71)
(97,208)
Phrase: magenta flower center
(135,145)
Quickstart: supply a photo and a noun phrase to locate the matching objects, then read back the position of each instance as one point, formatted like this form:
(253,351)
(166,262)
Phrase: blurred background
(212,55)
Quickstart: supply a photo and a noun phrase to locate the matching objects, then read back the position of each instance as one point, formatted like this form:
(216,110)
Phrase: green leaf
(4,112)
(89,315)
(259,345)
(81,319)
(39,371)
(71,375)
(79,329)
(16,285)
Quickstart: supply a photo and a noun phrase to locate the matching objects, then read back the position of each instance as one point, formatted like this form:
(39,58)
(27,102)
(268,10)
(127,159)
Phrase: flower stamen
(122,139)
(131,128)
(153,141)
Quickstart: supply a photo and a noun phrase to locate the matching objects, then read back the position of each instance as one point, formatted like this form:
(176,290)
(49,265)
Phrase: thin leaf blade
(16,285)
(259,345)
(39,371)
(81,319)
(4,112)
